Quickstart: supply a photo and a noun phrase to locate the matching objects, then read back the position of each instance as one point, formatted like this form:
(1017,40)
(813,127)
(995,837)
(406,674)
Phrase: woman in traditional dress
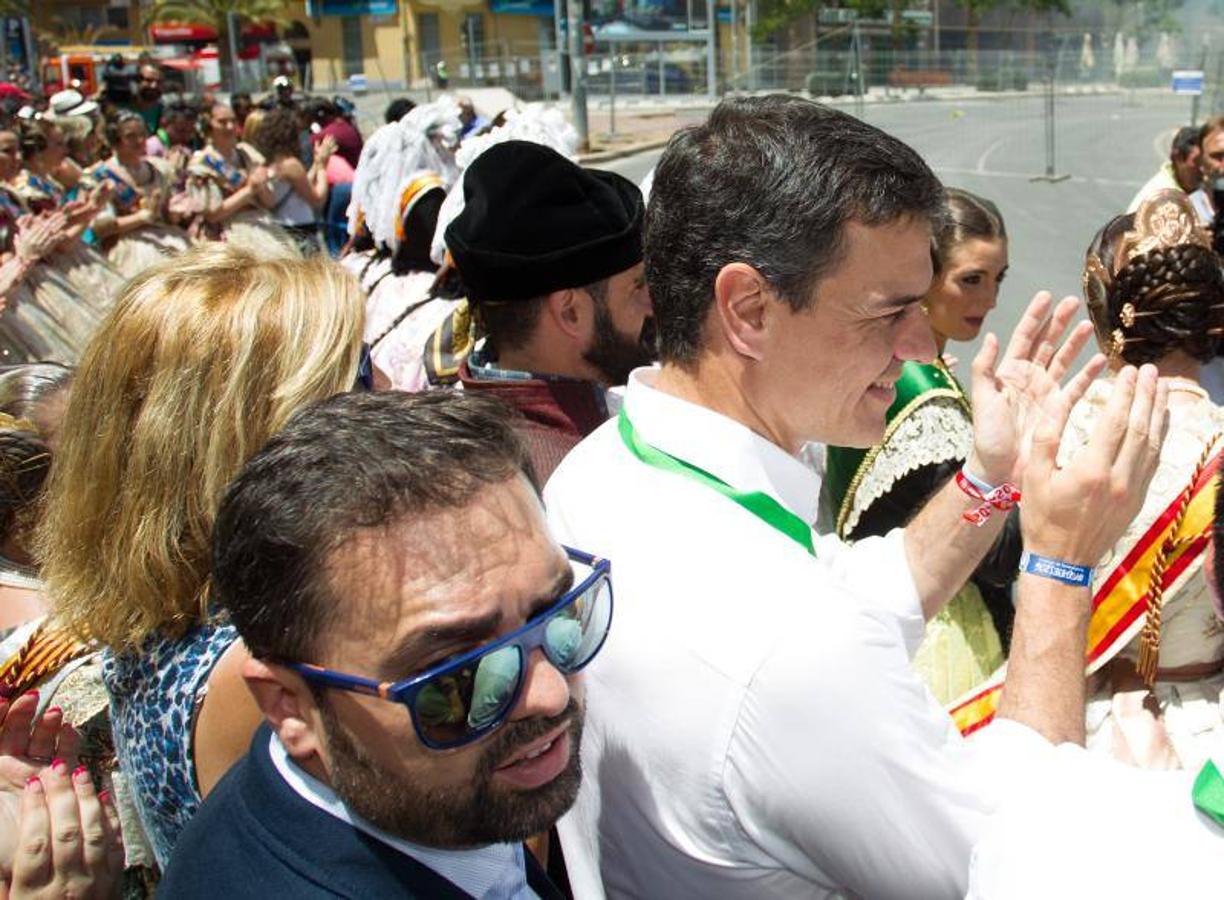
(135,229)
(43,149)
(42,316)
(926,442)
(229,189)
(1155,294)
(26,393)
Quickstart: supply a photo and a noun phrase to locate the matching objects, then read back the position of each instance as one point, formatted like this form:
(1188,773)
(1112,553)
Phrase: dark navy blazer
(255,837)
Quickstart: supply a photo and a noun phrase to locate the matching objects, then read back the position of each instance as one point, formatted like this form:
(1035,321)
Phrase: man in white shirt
(1182,171)
(416,638)
(754,728)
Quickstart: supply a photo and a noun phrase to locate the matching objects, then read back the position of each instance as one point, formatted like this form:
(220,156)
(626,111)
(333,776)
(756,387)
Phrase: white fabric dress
(1191,635)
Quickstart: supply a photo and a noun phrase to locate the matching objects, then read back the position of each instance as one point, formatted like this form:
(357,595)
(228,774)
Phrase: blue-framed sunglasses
(463,699)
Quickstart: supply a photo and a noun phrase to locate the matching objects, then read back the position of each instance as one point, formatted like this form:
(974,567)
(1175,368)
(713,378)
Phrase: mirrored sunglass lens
(497,679)
(576,632)
(475,697)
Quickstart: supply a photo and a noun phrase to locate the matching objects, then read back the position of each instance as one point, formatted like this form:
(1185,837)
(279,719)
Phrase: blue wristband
(1044,566)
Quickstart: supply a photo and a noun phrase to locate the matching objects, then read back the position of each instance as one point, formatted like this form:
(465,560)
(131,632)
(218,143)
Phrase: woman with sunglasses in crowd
(204,357)
(228,187)
(137,229)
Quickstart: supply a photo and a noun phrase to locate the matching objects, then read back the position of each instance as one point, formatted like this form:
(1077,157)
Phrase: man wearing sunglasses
(417,638)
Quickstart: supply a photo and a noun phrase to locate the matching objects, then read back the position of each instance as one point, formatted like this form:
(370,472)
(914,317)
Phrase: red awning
(190,33)
(181,33)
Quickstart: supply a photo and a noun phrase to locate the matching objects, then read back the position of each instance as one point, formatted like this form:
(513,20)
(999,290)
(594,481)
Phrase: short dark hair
(352,462)
(1215,123)
(510,325)
(1186,139)
(397,109)
(768,181)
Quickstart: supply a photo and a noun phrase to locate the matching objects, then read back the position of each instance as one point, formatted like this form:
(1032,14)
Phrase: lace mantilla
(935,432)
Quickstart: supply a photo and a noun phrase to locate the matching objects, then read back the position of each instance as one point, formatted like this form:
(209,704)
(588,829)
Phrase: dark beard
(614,355)
(457,817)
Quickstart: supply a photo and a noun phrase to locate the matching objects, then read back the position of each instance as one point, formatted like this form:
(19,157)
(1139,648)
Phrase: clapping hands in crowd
(58,836)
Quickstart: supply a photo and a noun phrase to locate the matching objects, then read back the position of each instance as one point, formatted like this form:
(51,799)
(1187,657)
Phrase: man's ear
(288,705)
(571,311)
(742,299)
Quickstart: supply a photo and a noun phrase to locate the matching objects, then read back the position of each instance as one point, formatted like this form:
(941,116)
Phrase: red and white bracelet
(990,498)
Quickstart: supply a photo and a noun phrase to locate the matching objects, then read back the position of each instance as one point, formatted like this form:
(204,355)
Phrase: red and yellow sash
(1119,605)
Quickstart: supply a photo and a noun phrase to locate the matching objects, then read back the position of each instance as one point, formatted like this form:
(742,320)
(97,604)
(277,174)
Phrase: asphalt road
(1107,145)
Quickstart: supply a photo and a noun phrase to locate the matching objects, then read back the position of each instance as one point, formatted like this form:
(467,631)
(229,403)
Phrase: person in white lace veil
(537,123)
(398,189)
(1155,294)
(928,438)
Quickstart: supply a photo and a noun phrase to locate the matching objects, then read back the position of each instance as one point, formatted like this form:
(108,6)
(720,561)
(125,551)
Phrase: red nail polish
(53,709)
(33,694)
(79,771)
(105,796)
(31,780)
(59,766)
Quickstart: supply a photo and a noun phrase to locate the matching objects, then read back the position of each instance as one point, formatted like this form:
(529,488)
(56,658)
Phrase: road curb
(621,152)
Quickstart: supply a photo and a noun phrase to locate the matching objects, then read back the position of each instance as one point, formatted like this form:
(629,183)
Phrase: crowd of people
(548,539)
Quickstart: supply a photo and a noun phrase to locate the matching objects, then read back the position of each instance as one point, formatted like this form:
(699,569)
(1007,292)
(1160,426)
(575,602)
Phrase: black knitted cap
(534,222)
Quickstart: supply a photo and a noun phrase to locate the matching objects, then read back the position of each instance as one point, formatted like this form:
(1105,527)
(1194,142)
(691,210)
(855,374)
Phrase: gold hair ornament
(7,421)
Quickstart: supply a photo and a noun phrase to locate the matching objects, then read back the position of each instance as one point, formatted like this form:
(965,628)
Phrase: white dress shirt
(754,729)
(496,872)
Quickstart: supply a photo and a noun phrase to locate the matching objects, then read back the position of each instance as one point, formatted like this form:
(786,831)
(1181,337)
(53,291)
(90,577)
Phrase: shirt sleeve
(844,769)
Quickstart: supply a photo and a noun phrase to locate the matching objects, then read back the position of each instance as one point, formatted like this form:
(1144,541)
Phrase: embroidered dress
(1190,723)
(211,178)
(155,697)
(401,354)
(148,245)
(95,282)
(928,436)
(45,318)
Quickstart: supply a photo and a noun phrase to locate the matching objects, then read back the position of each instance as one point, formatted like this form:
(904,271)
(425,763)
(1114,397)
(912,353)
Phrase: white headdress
(394,158)
(537,123)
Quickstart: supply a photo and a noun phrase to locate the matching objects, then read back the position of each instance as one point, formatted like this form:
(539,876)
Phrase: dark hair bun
(1177,294)
(25,460)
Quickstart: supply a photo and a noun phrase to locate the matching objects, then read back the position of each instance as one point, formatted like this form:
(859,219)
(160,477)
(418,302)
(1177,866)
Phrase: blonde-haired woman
(203,358)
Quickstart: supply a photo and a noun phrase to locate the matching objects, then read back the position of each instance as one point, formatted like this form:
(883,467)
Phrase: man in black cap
(551,255)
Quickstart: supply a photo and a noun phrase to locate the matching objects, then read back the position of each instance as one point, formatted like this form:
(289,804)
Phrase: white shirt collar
(720,445)
(495,872)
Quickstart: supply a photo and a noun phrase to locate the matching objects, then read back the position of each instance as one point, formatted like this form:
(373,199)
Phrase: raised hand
(1007,392)
(1077,512)
(26,747)
(39,235)
(69,841)
(325,149)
